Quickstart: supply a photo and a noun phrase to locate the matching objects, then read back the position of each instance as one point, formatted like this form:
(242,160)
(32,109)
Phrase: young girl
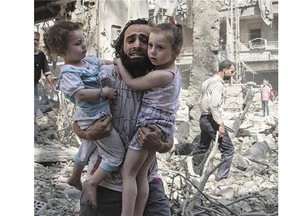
(80,81)
(159,106)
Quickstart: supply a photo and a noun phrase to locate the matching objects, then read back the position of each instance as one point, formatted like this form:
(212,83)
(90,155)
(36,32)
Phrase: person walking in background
(81,82)
(265,96)
(244,91)
(40,67)
(159,106)
(211,120)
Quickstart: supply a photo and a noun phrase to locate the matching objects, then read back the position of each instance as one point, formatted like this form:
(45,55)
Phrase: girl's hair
(173,32)
(56,39)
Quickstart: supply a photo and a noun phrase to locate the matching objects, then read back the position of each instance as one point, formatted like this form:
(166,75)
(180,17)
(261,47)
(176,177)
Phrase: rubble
(251,189)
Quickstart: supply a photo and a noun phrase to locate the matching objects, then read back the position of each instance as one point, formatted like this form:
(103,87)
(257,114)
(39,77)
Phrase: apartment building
(249,34)
(248,30)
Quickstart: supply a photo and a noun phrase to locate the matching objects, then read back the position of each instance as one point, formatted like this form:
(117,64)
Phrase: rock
(226,192)
(258,151)
(241,163)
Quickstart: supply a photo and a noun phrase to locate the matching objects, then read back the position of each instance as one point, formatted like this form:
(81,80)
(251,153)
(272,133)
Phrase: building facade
(249,36)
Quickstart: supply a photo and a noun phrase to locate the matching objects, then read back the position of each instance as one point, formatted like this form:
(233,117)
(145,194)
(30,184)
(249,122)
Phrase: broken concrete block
(258,151)
(241,163)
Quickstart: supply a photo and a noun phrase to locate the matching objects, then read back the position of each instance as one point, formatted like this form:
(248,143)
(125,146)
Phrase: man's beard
(137,67)
(226,78)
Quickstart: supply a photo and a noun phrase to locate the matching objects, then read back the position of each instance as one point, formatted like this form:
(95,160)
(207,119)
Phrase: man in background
(212,96)
(40,67)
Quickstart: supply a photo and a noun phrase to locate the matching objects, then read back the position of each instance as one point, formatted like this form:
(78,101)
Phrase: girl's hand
(111,93)
(116,71)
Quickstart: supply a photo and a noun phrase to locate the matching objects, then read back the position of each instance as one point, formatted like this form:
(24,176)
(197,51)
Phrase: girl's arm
(157,78)
(71,84)
(106,62)
(96,94)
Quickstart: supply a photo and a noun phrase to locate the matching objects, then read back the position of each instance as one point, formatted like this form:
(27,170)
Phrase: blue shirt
(73,79)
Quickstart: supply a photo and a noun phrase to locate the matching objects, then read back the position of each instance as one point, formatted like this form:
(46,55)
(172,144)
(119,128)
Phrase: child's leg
(75,179)
(133,161)
(80,160)
(90,186)
(143,185)
(112,152)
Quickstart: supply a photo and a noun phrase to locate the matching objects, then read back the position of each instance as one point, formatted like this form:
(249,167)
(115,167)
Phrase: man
(40,66)
(211,121)
(131,47)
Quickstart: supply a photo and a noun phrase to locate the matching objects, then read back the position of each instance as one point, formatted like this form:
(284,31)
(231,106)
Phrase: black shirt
(40,65)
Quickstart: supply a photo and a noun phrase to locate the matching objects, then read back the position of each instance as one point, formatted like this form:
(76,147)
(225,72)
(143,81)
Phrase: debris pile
(251,189)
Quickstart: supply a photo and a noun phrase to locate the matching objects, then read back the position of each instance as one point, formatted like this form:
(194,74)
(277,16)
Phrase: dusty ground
(253,190)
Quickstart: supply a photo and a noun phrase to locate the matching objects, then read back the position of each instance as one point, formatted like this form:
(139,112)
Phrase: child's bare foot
(75,183)
(89,193)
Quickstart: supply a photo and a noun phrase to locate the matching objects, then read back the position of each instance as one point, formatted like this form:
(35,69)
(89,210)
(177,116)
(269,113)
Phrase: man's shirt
(40,66)
(212,97)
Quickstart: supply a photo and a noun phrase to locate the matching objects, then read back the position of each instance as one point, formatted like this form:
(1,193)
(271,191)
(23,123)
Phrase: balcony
(259,49)
(260,43)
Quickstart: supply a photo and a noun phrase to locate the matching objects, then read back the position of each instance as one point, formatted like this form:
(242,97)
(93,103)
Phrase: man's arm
(100,129)
(49,78)
(151,139)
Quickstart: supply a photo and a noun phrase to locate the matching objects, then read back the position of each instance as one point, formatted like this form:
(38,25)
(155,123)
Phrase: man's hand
(150,138)
(100,129)
(221,130)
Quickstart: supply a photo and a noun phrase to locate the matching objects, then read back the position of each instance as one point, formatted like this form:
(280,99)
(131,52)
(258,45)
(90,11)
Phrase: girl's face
(160,50)
(76,49)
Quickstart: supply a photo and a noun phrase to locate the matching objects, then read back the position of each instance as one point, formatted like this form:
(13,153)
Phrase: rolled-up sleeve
(216,102)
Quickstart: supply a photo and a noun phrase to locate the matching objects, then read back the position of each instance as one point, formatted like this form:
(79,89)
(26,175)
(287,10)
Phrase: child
(159,106)
(80,81)
(265,96)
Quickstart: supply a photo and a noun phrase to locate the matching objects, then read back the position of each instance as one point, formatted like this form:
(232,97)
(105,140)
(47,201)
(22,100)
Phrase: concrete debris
(252,185)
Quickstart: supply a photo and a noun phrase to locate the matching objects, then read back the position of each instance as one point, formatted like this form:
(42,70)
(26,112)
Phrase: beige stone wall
(205,45)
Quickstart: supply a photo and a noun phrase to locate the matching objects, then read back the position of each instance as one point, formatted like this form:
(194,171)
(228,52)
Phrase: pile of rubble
(252,186)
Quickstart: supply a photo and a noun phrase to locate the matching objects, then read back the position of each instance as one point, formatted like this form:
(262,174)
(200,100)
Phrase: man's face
(229,72)
(134,54)
(36,41)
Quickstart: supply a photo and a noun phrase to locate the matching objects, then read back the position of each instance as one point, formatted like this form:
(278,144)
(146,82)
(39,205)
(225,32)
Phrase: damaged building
(244,31)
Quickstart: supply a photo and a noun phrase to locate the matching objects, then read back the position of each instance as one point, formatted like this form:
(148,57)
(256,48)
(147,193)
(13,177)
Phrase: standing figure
(131,47)
(40,67)
(265,96)
(80,81)
(212,95)
(159,106)
(244,91)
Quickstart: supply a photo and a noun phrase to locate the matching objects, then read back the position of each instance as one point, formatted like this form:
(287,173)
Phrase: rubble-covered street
(252,186)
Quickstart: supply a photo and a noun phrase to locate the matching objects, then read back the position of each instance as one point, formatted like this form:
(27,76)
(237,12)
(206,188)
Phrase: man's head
(36,40)
(226,69)
(131,47)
